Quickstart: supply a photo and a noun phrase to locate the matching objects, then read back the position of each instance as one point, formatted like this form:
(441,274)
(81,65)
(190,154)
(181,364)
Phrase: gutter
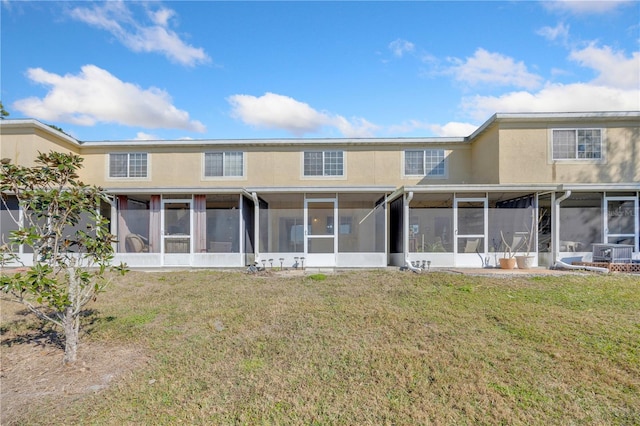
(560,264)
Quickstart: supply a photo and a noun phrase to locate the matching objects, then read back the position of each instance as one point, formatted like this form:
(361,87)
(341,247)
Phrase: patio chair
(472,245)
(135,243)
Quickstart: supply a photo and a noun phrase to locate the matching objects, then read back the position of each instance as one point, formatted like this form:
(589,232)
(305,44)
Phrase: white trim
(544,117)
(188,256)
(605,217)
(320,259)
(462,259)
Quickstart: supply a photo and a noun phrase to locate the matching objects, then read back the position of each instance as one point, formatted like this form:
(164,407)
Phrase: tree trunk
(71,330)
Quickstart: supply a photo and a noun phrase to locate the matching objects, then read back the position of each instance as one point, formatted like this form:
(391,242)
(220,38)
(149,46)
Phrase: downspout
(556,226)
(405,232)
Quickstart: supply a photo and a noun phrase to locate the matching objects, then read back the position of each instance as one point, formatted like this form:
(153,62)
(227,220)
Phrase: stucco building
(549,184)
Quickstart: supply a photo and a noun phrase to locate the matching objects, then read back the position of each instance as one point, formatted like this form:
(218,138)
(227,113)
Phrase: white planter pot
(525,262)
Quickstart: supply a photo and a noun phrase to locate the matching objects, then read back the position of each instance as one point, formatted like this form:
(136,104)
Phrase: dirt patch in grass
(32,373)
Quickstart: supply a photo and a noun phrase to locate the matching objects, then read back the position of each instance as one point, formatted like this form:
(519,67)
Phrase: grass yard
(368,347)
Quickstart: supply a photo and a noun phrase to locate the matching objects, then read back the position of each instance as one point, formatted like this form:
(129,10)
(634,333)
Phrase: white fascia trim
(190,190)
(553,117)
(309,189)
(600,187)
(30,122)
(248,143)
(481,188)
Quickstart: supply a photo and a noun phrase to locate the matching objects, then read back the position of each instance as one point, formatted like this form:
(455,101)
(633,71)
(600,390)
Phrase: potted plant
(507,261)
(526,261)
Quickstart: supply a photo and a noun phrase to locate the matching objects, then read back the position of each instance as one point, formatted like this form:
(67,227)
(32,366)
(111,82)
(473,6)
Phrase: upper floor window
(428,162)
(324,163)
(572,144)
(128,165)
(224,164)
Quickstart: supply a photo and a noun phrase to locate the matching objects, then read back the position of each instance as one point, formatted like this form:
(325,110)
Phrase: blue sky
(217,70)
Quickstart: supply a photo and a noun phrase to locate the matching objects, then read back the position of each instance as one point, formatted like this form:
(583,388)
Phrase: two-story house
(548,184)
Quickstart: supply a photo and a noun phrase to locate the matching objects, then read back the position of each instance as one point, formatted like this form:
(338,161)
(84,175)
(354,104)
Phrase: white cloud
(494,69)
(616,87)
(161,16)
(142,136)
(95,95)
(117,19)
(555,98)
(399,47)
(560,32)
(275,111)
(586,6)
(615,68)
(453,129)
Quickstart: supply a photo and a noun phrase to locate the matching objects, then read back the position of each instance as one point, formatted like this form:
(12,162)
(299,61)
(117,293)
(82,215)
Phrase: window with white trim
(224,164)
(128,165)
(577,144)
(323,163)
(426,162)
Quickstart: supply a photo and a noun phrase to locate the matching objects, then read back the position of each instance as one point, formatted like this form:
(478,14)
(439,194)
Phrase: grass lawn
(368,347)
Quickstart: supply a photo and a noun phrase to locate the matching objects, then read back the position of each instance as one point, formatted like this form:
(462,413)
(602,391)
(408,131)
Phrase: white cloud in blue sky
(116,18)
(399,47)
(119,69)
(560,32)
(587,7)
(275,111)
(94,95)
(491,68)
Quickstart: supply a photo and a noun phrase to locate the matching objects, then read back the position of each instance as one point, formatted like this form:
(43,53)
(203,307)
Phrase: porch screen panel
(431,223)
(470,218)
(359,226)
(223,224)
(621,220)
(544,223)
(581,222)
(155,227)
(133,220)
(431,230)
(200,223)
(282,223)
(320,245)
(9,217)
(512,216)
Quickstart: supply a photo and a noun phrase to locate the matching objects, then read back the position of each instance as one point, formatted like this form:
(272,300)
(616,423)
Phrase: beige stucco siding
(525,157)
(507,150)
(22,145)
(269,167)
(483,163)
